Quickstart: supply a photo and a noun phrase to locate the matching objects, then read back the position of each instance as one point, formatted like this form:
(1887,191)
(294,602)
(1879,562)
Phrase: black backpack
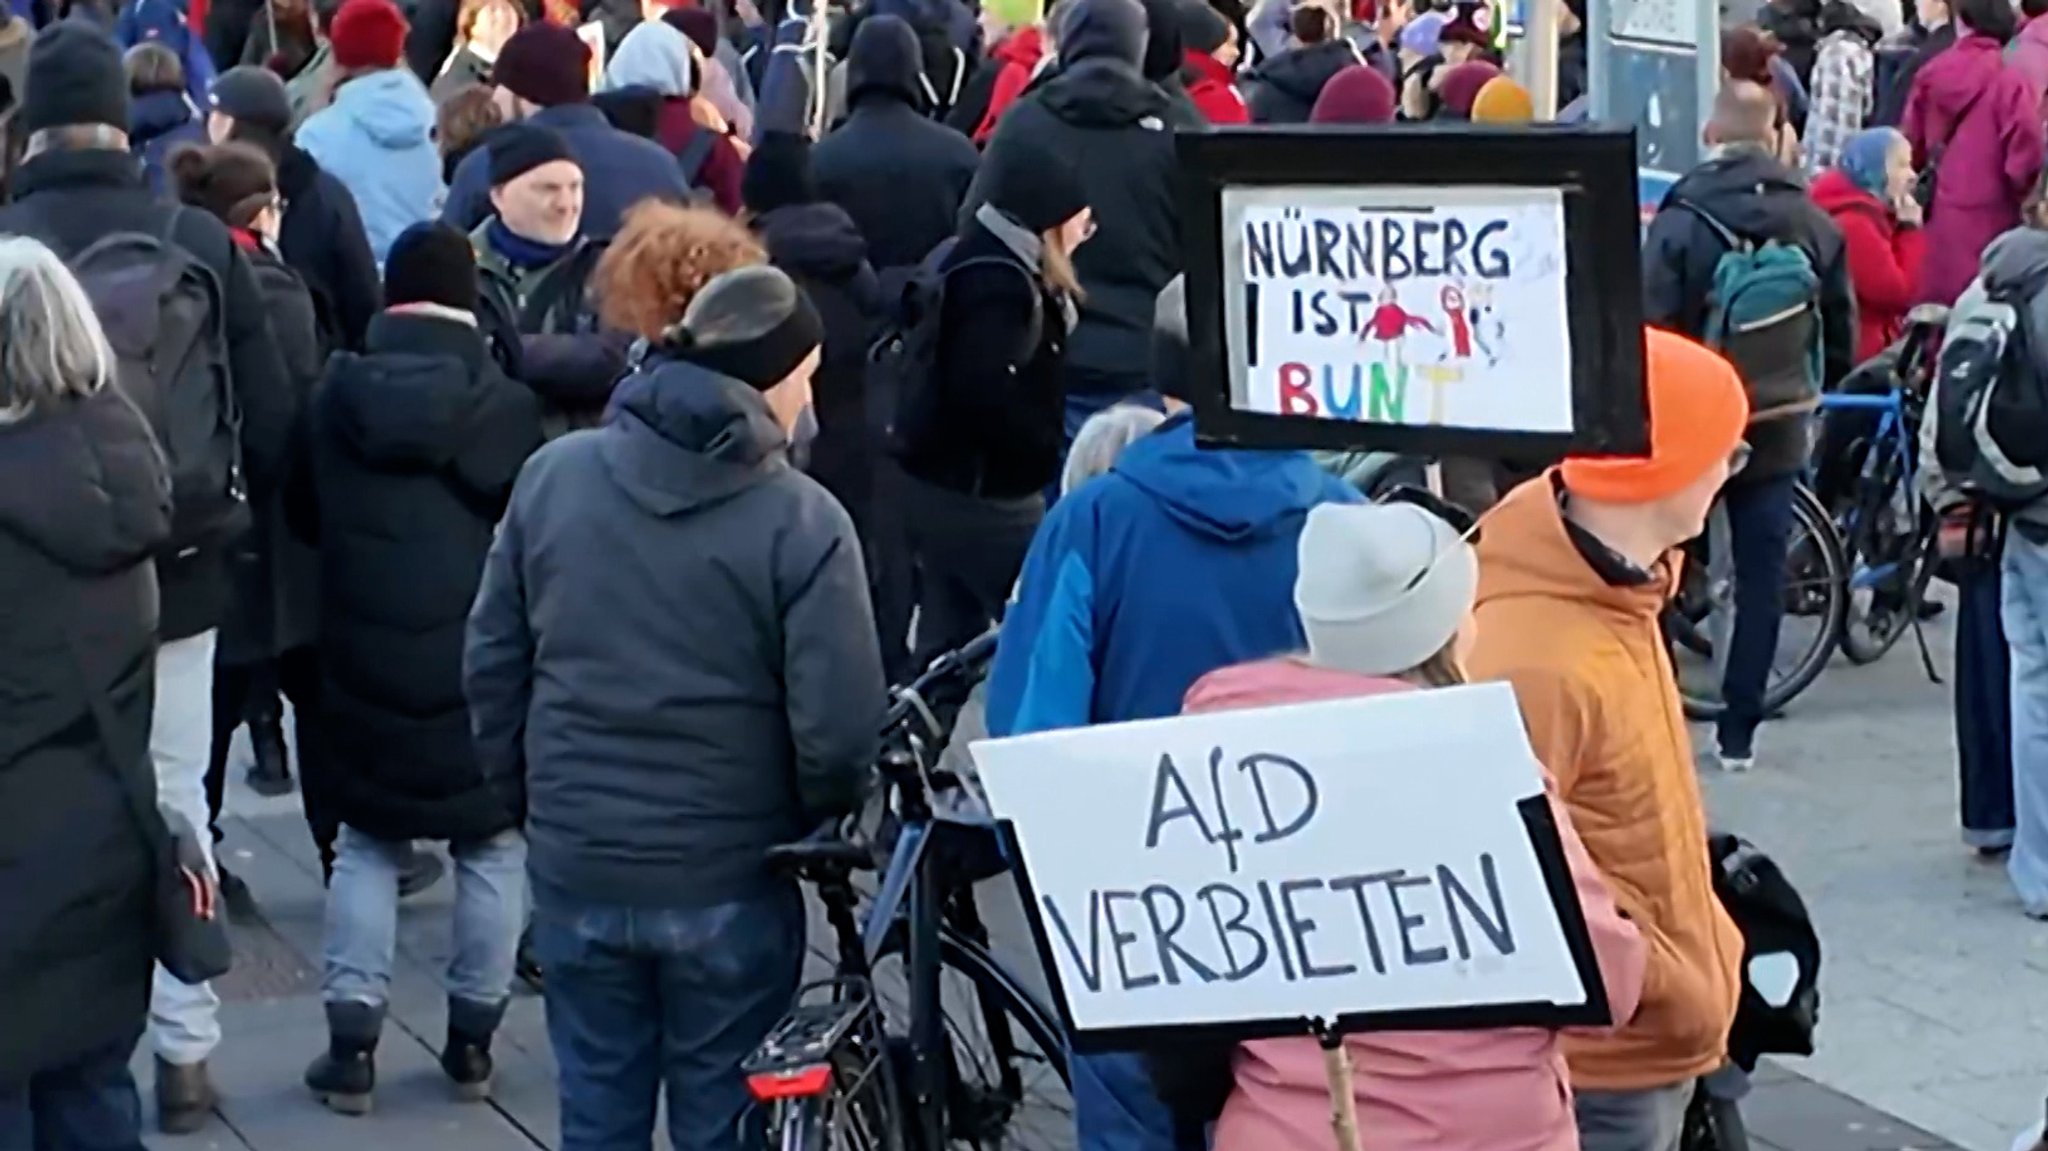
(1772,1019)
(903,385)
(691,157)
(164,317)
(1990,403)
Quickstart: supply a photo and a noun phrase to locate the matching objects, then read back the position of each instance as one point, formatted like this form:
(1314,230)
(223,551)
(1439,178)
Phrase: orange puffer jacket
(1590,670)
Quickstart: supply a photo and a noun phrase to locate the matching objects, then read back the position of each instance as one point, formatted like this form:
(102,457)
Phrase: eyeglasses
(1461,521)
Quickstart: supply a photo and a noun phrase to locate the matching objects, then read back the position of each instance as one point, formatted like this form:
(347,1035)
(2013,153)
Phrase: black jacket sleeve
(831,673)
(352,270)
(1837,303)
(574,372)
(1675,273)
(507,430)
(967,113)
(986,337)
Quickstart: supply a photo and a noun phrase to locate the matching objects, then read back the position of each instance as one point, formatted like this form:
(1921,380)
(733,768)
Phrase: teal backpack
(1763,313)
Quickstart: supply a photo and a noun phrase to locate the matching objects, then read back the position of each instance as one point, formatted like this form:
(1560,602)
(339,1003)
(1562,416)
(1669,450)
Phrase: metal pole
(1540,33)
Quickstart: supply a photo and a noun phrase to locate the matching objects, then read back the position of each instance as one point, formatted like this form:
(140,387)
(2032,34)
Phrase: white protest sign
(1437,306)
(1353,858)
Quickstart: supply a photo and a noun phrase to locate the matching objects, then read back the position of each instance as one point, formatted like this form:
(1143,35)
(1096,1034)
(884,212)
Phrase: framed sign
(1415,289)
(1380,863)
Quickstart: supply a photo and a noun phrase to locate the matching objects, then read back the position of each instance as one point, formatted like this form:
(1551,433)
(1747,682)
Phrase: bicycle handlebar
(911,696)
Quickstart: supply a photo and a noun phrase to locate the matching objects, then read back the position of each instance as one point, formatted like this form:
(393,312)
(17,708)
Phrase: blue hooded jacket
(1179,561)
(377,138)
(157,123)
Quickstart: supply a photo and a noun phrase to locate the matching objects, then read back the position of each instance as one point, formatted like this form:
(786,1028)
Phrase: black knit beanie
(1039,189)
(516,149)
(431,263)
(752,324)
(778,174)
(74,77)
(1202,29)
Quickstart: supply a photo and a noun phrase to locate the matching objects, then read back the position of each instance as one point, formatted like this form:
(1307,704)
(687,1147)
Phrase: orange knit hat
(1698,411)
(1502,101)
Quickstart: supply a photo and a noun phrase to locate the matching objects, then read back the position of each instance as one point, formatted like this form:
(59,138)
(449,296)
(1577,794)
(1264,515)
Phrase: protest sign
(1401,305)
(1387,862)
(1474,291)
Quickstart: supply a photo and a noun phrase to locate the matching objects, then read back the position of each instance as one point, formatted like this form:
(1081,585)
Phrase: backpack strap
(1734,243)
(693,155)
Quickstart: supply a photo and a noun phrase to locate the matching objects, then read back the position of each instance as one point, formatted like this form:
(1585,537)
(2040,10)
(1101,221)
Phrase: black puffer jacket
(413,447)
(821,250)
(899,174)
(664,654)
(1112,125)
(1283,90)
(84,501)
(323,240)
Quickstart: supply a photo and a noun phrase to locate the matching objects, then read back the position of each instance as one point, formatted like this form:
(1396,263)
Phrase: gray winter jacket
(671,662)
(2018,258)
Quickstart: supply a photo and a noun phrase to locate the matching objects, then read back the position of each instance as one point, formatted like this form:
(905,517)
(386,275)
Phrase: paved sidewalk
(274,1027)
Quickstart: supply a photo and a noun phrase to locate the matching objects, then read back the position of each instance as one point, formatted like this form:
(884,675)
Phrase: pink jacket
(1504,1090)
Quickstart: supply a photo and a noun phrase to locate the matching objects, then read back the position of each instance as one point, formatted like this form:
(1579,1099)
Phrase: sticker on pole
(1382,863)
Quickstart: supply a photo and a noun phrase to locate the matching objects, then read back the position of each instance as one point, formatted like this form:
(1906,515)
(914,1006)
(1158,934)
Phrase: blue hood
(1233,495)
(392,108)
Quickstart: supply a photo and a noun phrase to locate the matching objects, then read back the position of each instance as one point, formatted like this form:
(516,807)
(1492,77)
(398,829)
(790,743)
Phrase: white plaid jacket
(1842,98)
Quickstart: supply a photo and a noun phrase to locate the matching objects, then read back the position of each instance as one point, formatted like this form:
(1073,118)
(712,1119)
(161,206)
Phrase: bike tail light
(790,1083)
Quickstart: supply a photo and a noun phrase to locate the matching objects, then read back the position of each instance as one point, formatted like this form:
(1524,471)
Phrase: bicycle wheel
(1007,1073)
(834,1121)
(1889,560)
(1816,602)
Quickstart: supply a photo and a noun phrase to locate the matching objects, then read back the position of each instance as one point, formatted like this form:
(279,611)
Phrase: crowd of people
(581,441)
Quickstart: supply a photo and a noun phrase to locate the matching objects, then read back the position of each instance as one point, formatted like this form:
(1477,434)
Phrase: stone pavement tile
(1795,1114)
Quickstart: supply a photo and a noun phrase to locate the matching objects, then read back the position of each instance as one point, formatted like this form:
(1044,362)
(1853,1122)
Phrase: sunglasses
(1461,521)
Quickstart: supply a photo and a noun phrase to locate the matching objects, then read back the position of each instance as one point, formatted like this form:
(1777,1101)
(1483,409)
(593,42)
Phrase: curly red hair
(661,259)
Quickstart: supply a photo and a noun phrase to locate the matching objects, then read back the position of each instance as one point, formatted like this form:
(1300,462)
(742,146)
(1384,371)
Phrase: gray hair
(51,345)
(1103,438)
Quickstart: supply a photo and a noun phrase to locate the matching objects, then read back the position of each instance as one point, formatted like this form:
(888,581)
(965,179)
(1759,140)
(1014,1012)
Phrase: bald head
(1744,113)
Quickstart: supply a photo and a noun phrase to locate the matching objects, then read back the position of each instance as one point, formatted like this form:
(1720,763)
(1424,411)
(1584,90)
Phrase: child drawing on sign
(1453,300)
(1391,323)
(1436,376)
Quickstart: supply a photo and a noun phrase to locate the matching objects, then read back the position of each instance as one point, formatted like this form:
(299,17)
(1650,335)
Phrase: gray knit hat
(1382,587)
(753,324)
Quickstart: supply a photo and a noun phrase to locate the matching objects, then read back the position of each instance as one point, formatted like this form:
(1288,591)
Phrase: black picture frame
(1593,167)
(1545,842)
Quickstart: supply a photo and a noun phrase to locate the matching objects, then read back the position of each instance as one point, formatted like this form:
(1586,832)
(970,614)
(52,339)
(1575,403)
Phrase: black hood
(1102,93)
(408,400)
(1748,190)
(1163,56)
(157,113)
(83,482)
(1302,72)
(817,240)
(296,171)
(683,437)
(1843,16)
(1089,29)
(885,59)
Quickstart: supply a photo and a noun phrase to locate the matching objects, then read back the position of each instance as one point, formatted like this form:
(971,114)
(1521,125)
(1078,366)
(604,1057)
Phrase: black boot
(467,1058)
(346,1076)
(272,772)
(184,1097)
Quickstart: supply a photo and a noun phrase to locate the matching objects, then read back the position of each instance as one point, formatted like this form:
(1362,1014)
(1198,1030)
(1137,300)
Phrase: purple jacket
(1983,119)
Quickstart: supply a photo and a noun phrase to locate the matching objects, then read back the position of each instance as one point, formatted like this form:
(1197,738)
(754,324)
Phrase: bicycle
(875,1058)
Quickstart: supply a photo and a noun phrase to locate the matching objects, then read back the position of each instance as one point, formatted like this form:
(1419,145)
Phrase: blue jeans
(644,1000)
(1983,707)
(362,917)
(90,1105)
(2026,629)
(1760,528)
(1116,1109)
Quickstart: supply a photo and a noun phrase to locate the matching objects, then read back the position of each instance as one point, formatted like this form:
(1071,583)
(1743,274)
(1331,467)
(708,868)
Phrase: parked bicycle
(922,1040)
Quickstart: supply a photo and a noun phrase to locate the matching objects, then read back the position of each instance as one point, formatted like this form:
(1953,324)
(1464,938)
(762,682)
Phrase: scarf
(523,254)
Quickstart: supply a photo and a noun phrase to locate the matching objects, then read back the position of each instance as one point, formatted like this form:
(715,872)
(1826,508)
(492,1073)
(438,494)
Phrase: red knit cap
(1462,84)
(368,34)
(1698,411)
(1358,94)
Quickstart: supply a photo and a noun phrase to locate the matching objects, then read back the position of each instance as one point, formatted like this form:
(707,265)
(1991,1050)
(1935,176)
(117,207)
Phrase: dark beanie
(752,324)
(778,174)
(1037,188)
(1359,94)
(254,95)
(368,35)
(1202,29)
(545,64)
(74,77)
(431,263)
(700,26)
(517,149)
(1461,87)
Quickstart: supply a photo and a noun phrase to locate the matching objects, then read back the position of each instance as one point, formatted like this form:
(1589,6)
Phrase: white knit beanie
(1382,587)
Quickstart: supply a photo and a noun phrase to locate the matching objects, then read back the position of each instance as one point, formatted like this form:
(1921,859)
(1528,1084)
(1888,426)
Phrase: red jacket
(1214,95)
(1884,259)
(722,168)
(1019,55)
